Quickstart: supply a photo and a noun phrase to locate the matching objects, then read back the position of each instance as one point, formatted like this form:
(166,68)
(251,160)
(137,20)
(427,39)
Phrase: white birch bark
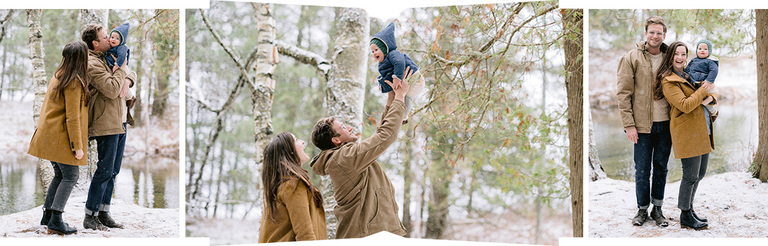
(595,167)
(346,88)
(263,84)
(36,54)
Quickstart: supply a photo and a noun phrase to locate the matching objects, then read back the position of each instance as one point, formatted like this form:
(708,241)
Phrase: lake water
(150,182)
(735,130)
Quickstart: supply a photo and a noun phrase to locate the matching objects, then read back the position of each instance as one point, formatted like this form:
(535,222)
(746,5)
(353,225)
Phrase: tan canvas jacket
(635,88)
(364,193)
(105,111)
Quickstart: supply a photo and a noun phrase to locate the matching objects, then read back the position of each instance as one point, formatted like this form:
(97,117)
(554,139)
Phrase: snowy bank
(139,221)
(735,204)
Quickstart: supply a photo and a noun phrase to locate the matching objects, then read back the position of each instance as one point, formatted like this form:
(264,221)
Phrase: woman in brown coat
(293,206)
(690,127)
(62,132)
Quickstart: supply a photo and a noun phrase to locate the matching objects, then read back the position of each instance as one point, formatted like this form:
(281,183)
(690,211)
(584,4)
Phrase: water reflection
(150,182)
(736,132)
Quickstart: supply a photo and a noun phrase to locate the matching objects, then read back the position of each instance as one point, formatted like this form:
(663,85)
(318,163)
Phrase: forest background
(484,158)
(30,50)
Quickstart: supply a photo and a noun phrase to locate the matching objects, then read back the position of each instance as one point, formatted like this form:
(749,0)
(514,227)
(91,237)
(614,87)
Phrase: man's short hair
(655,20)
(90,34)
(323,133)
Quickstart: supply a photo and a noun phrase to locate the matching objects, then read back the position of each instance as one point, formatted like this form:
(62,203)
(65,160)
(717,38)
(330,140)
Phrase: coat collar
(677,79)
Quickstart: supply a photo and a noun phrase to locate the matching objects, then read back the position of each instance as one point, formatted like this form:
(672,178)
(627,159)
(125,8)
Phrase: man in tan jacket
(364,193)
(646,120)
(106,117)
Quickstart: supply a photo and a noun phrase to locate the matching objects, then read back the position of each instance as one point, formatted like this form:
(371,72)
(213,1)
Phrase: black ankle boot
(640,217)
(46,217)
(56,224)
(106,220)
(658,217)
(92,222)
(688,221)
(702,219)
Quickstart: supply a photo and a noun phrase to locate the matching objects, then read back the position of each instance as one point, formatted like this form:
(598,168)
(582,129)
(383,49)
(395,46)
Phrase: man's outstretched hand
(399,86)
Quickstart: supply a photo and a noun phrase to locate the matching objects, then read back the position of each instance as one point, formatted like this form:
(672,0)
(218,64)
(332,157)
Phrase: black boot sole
(691,227)
(51,231)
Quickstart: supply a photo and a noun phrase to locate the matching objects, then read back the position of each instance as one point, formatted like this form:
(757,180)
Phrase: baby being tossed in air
(392,62)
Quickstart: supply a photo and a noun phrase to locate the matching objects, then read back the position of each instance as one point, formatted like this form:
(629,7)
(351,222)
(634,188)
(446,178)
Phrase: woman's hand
(79,154)
(707,100)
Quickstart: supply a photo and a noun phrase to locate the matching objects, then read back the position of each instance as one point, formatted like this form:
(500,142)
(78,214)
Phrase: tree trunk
(440,179)
(596,170)
(36,54)
(2,73)
(346,86)
(164,60)
(138,108)
(87,17)
(761,157)
(573,28)
(407,181)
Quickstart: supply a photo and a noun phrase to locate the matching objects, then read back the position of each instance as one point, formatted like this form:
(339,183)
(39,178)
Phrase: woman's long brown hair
(281,162)
(74,62)
(665,69)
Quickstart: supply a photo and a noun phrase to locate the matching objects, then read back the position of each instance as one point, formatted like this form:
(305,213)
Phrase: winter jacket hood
(122,30)
(387,35)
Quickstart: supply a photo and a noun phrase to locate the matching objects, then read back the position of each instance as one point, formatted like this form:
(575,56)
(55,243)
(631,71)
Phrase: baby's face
(377,54)
(702,51)
(114,39)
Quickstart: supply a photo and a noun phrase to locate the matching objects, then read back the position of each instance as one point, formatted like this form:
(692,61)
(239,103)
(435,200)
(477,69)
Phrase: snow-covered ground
(138,221)
(509,227)
(735,204)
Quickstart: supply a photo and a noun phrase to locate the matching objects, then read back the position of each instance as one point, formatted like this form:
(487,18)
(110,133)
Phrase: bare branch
(229,51)
(304,56)
(4,23)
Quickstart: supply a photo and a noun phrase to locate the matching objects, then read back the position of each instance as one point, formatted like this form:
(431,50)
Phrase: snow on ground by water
(735,204)
(139,222)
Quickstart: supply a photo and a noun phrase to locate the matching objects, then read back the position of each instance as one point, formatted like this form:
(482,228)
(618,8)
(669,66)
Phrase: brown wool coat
(298,217)
(635,88)
(365,196)
(687,125)
(62,127)
(105,111)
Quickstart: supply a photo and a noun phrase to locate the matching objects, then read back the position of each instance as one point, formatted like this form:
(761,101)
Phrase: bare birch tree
(36,54)
(87,17)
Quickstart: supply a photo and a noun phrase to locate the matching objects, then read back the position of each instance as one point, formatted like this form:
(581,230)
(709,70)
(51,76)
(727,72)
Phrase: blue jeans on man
(651,156)
(110,152)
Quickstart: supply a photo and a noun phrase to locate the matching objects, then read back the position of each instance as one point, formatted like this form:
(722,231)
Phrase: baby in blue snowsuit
(391,62)
(119,53)
(704,67)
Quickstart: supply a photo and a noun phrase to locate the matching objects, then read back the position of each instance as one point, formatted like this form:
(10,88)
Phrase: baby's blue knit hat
(709,46)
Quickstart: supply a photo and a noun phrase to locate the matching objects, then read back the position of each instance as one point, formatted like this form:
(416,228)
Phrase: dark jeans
(64,179)
(110,149)
(694,169)
(652,154)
